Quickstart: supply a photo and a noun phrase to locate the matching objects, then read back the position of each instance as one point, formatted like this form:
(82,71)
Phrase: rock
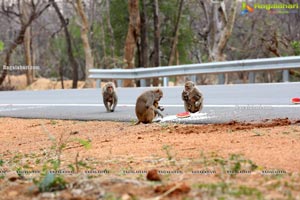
(153,175)
(12,176)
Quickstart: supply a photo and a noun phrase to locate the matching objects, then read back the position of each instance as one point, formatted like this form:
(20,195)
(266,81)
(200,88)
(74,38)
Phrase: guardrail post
(251,77)
(193,78)
(98,83)
(221,78)
(285,75)
(119,83)
(143,82)
(166,81)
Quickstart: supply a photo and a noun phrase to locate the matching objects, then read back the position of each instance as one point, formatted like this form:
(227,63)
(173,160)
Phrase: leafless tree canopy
(67,38)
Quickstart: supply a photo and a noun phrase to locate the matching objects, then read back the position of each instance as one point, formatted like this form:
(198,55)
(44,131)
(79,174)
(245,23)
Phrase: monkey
(110,98)
(192,97)
(147,107)
(156,105)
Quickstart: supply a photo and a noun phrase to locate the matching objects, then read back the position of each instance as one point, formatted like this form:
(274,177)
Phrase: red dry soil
(119,147)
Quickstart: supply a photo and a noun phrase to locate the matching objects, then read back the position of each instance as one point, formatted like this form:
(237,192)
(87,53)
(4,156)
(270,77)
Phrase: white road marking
(14,108)
(242,106)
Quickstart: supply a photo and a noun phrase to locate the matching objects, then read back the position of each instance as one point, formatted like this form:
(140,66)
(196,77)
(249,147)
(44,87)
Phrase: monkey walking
(110,98)
(147,106)
(192,97)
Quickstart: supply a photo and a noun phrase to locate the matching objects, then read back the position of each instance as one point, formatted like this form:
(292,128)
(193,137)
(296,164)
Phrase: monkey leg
(114,103)
(107,107)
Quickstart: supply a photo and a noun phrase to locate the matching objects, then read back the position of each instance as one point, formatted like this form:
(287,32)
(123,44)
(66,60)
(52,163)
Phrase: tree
(89,59)
(218,29)
(175,36)
(24,17)
(64,24)
(111,31)
(174,51)
(156,24)
(143,44)
(133,36)
(37,8)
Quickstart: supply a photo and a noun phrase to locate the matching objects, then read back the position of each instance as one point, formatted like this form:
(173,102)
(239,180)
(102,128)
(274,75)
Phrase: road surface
(222,103)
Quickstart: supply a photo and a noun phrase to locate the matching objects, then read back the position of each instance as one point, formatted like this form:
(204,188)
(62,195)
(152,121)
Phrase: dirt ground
(110,160)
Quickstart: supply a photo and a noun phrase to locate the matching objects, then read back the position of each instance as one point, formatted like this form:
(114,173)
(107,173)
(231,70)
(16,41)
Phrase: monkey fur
(147,107)
(192,97)
(110,98)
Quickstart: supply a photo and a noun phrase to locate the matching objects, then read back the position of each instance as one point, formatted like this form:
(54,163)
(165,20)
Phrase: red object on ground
(183,114)
(295,100)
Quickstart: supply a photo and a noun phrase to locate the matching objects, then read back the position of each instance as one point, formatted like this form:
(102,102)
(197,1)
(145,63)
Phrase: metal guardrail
(251,65)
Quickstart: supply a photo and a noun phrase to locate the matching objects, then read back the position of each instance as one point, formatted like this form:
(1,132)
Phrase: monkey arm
(161,108)
(184,95)
(150,102)
(197,95)
(198,98)
(105,103)
(158,112)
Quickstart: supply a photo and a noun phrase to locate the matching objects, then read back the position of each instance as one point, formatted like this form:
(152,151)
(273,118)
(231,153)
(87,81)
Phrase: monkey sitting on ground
(147,107)
(192,97)
(110,98)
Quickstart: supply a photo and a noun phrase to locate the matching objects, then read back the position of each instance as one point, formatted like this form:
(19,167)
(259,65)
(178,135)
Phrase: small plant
(167,149)
(256,133)
(53,122)
(1,46)
(51,182)
(296,47)
(224,190)
(110,196)
(164,125)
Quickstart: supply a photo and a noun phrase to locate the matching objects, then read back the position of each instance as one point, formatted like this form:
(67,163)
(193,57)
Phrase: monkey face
(110,88)
(158,94)
(188,87)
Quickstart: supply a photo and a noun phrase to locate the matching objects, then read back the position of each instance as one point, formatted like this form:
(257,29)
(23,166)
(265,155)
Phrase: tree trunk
(144,40)
(156,57)
(175,36)
(89,59)
(111,32)
(219,28)
(24,17)
(133,35)
(69,45)
(19,40)
(102,38)
(28,56)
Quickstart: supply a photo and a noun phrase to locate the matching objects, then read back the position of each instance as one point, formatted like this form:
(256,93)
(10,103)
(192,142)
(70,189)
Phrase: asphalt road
(222,103)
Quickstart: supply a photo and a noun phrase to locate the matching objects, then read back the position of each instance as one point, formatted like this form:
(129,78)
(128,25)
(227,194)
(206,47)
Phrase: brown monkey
(156,105)
(192,97)
(110,98)
(147,107)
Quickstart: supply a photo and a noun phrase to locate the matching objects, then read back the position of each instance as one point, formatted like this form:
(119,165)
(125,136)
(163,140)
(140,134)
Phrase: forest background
(65,39)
